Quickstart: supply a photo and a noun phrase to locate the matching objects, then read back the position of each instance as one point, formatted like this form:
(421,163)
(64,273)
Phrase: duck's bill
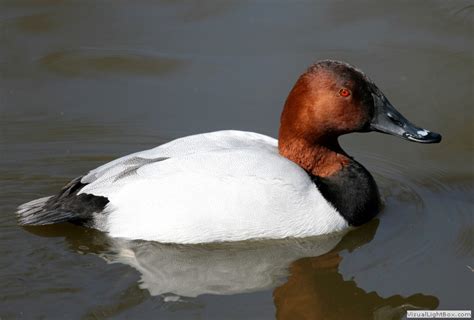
(388,120)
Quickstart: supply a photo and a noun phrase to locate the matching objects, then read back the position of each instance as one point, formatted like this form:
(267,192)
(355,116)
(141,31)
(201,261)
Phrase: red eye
(344,92)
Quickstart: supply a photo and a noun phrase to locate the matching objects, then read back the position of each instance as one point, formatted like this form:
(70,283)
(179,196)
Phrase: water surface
(82,83)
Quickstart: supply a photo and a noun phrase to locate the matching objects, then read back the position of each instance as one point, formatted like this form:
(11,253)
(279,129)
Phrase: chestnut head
(333,98)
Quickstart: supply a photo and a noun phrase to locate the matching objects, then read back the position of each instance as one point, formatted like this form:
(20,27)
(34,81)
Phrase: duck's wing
(200,143)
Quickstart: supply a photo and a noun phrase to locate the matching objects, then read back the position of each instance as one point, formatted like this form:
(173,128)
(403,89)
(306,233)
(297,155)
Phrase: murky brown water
(83,82)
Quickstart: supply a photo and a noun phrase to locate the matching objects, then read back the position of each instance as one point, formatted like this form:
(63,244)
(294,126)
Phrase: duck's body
(234,185)
(225,185)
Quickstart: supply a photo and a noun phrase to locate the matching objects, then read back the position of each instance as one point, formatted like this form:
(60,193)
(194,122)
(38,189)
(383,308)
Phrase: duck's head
(333,98)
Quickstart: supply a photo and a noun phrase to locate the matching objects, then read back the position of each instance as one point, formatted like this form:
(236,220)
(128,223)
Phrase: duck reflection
(316,290)
(223,269)
(303,273)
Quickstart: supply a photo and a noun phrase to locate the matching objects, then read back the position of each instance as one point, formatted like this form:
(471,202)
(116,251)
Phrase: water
(82,83)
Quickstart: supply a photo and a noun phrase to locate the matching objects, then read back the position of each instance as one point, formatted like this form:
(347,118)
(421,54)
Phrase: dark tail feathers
(67,206)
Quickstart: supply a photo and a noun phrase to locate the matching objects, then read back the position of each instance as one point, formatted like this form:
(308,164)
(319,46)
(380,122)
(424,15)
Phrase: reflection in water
(231,268)
(304,271)
(316,289)
(97,62)
(193,270)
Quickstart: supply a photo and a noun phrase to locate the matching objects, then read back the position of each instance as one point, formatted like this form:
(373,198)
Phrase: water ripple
(426,222)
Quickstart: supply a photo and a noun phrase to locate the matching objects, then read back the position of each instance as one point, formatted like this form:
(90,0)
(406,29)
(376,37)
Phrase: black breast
(353,192)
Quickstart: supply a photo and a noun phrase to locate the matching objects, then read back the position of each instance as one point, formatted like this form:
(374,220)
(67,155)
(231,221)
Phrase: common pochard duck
(235,185)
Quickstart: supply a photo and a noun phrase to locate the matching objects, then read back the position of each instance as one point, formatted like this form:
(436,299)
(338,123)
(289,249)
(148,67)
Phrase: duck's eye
(344,92)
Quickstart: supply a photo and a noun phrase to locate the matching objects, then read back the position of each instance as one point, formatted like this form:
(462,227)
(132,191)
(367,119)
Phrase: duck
(232,185)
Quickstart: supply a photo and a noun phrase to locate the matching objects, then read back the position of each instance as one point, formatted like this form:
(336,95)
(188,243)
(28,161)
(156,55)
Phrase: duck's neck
(343,182)
(321,158)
